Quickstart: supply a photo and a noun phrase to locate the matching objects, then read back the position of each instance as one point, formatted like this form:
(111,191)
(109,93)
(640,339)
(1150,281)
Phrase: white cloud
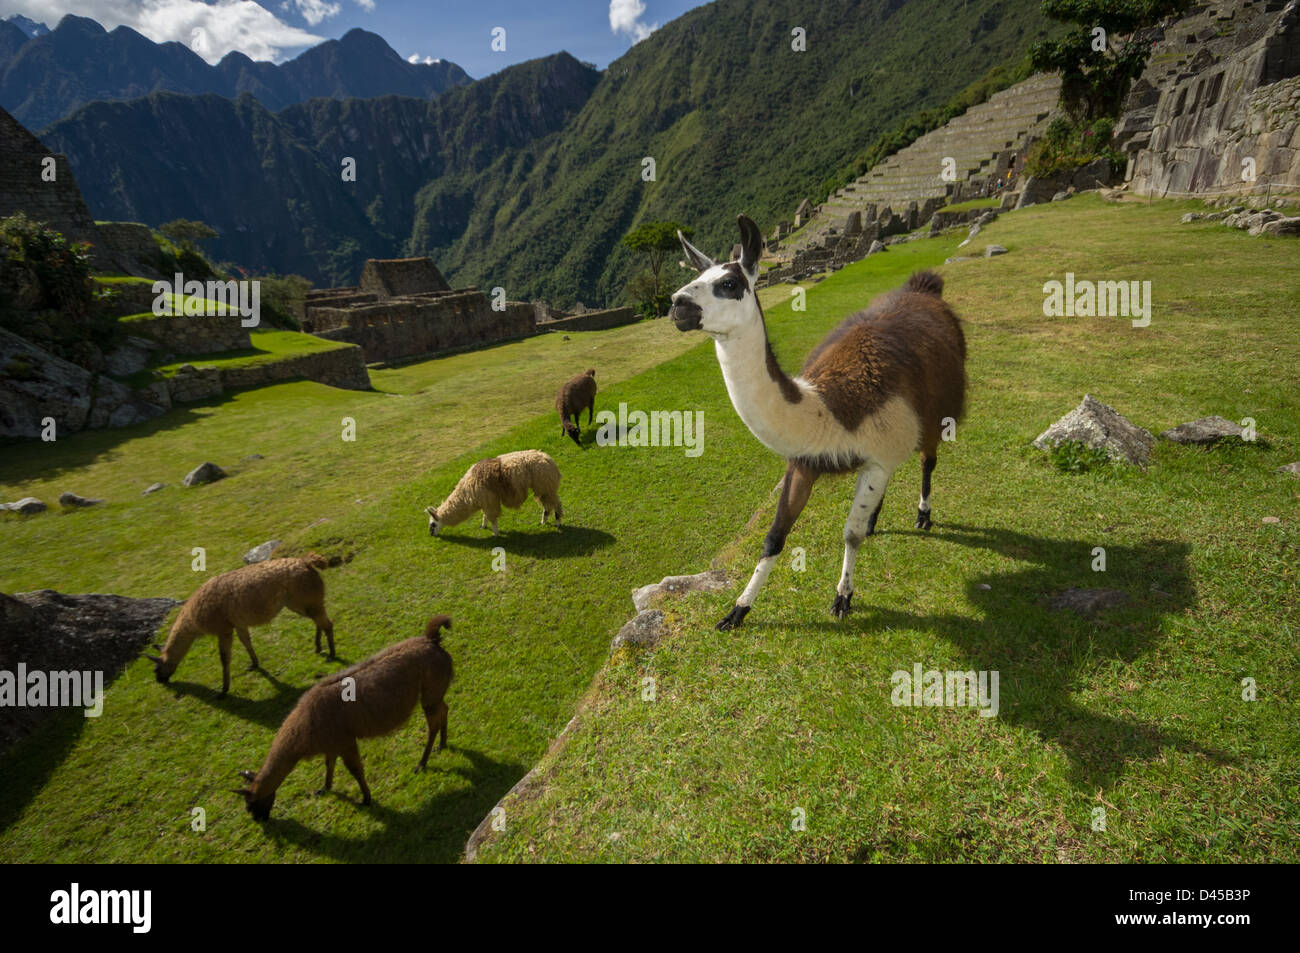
(367,5)
(427,61)
(625,17)
(210,29)
(313,11)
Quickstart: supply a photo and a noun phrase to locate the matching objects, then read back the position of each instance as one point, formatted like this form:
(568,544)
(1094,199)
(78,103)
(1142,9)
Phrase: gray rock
(132,355)
(260,554)
(1191,217)
(51,631)
(72,499)
(27,506)
(1282,228)
(203,473)
(252,456)
(876,246)
(949,261)
(1203,432)
(992,250)
(1100,426)
(153,488)
(1088,602)
(643,629)
(1291,468)
(1061,196)
(710,581)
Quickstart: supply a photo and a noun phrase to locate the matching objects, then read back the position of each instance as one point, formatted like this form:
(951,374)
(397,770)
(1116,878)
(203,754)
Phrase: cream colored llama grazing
(500,481)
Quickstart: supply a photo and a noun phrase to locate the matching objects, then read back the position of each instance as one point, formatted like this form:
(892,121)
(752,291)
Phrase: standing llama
(873,392)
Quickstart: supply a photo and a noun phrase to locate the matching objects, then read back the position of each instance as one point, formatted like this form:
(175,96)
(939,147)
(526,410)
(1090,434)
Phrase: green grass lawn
(1138,712)
(268,347)
(991,202)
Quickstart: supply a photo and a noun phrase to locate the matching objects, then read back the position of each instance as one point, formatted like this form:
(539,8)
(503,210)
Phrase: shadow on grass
(267,712)
(538,542)
(1042,655)
(434,833)
(28,764)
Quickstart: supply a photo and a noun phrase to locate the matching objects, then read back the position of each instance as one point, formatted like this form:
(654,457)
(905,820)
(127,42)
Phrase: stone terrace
(982,141)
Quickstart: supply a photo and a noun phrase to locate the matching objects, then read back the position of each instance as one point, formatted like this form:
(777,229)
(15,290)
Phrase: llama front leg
(868,496)
(225,642)
(923,508)
(795,491)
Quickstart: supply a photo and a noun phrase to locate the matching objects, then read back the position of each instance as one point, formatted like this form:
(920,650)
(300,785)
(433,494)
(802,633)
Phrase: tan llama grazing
(882,385)
(229,604)
(369,699)
(500,481)
(574,397)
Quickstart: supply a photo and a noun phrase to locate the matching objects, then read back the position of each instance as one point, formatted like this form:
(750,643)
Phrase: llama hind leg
(794,495)
(923,508)
(868,496)
(352,761)
(242,632)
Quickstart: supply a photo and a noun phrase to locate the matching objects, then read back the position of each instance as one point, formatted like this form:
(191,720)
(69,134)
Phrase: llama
(500,481)
(873,392)
(574,397)
(366,700)
(228,604)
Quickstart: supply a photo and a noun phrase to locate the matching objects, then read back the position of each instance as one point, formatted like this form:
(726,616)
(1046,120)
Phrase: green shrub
(61,267)
(1074,456)
(1067,145)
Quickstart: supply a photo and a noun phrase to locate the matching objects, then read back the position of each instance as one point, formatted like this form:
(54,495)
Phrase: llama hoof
(365,801)
(419,767)
(922,519)
(840,608)
(733,618)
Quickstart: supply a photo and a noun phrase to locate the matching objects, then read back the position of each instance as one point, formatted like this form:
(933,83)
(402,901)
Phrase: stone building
(1217,109)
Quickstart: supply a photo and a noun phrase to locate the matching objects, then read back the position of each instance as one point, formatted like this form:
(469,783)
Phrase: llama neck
(784,415)
(280,761)
(182,635)
(456,508)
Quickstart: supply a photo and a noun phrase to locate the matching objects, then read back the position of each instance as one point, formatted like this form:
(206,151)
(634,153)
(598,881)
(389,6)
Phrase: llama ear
(751,243)
(699,261)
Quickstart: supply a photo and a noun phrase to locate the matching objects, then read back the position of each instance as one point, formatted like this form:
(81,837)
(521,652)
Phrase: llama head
(259,807)
(567,426)
(435,524)
(721,300)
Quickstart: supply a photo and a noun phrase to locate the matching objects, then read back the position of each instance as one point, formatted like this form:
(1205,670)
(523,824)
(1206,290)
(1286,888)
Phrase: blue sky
(597,31)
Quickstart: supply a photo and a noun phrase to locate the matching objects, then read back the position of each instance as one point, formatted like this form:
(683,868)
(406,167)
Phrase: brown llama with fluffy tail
(369,699)
(880,387)
(500,481)
(229,604)
(574,397)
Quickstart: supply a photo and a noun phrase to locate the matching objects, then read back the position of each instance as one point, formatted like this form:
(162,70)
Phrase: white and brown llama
(872,393)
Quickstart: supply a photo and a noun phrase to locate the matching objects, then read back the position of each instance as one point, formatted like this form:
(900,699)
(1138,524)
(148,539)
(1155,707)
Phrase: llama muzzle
(686,315)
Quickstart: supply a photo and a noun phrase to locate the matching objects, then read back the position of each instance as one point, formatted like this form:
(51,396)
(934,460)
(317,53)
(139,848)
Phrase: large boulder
(27,506)
(262,552)
(50,631)
(1101,427)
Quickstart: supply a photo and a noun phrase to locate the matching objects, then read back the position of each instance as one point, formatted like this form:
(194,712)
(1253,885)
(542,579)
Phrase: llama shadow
(539,543)
(1042,655)
(433,833)
(267,712)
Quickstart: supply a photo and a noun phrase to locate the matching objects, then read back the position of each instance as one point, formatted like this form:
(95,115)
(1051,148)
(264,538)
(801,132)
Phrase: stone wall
(1222,87)
(133,245)
(35,384)
(401,329)
(343,367)
(59,203)
(590,320)
(196,334)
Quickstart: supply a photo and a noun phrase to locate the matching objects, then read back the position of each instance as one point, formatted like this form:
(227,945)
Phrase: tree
(186,233)
(655,240)
(1101,57)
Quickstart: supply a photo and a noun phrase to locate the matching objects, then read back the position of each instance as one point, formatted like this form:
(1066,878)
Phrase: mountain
(271,183)
(29,26)
(44,78)
(534,198)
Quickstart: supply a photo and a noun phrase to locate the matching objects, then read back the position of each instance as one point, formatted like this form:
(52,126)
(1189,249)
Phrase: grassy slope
(789,711)
(1139,713)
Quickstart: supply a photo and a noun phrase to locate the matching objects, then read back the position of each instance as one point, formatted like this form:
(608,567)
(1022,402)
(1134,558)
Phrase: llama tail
(316,560)
(926,283)
(431,631)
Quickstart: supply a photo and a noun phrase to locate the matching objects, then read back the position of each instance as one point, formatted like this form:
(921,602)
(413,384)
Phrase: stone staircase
(982,141)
